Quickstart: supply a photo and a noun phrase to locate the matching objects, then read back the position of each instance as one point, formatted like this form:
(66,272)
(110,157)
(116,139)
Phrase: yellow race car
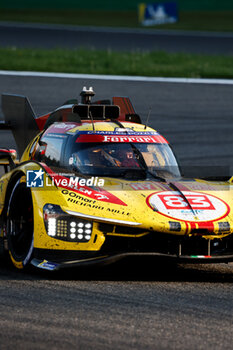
(94,185)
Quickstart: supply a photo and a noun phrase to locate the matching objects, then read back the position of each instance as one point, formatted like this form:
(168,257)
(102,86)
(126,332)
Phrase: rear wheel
(20,225)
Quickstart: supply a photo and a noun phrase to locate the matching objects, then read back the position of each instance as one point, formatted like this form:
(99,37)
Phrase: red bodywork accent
(126,108)
(7,150)
(206,225)
(63,117)
(121,138)
(40,121)
(125,105)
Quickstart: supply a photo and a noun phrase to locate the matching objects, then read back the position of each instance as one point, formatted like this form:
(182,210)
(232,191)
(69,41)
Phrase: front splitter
(109,259)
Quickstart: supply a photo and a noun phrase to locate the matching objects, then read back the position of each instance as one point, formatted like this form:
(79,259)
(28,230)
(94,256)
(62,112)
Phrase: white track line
(121,30)
(118,77)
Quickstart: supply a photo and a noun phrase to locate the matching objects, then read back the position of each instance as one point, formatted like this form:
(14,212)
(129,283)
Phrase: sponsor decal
(64,126)
(205,187)
(144,186)
(46,265)
(96,138)
(119,131)
(197,207)
(60,128)
(58,136)
(101,195)
(76,198)
(224,226)
(124,130)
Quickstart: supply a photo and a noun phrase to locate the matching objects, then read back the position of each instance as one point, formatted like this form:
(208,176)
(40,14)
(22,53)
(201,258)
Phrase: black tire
(20,225)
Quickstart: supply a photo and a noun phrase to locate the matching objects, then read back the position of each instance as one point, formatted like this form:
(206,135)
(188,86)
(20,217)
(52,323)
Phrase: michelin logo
(35,178)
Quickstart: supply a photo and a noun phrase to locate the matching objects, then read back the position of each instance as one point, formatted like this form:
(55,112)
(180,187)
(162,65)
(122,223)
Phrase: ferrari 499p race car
(94,185)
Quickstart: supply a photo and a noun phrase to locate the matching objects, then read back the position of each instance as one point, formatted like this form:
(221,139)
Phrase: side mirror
(7,158)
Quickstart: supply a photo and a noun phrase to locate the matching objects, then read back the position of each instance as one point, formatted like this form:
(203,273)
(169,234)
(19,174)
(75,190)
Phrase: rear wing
(20,118)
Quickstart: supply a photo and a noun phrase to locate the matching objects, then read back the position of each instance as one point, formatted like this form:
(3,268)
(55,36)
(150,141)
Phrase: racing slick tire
(19,225)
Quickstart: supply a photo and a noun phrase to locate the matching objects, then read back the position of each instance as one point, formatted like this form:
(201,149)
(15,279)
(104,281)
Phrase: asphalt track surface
(197,119)
(131,305)
(52,36)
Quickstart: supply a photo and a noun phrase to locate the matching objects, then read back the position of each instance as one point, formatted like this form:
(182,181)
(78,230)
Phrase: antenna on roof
(92,121)
(148,117)
(86,95)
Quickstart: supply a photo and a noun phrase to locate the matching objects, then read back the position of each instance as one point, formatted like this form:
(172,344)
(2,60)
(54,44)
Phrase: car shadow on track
(145,269)
(149,270)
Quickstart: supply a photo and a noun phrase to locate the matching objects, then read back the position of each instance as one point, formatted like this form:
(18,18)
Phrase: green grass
(73,17)
(109,62)
(196,20)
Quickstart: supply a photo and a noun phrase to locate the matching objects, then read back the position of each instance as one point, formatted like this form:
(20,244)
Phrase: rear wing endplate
(20,118)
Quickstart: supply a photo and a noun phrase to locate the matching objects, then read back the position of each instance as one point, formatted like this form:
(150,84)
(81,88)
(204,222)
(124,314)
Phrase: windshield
(120,159)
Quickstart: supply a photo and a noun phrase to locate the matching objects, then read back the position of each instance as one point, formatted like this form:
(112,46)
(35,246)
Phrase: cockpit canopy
(88,156)
(115,159)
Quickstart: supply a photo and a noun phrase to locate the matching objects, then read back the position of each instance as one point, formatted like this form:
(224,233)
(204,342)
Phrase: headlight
(66,227)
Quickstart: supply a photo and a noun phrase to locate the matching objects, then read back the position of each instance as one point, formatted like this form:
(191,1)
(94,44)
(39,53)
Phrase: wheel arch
(13,180)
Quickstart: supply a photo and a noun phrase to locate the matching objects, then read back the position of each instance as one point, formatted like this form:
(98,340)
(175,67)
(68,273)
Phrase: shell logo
(191,206)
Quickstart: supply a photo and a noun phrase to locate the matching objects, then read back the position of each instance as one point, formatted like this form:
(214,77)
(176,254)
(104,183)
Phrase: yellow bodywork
(135,213)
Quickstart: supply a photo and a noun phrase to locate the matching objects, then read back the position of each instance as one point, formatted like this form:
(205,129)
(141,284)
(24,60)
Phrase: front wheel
(20,225)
